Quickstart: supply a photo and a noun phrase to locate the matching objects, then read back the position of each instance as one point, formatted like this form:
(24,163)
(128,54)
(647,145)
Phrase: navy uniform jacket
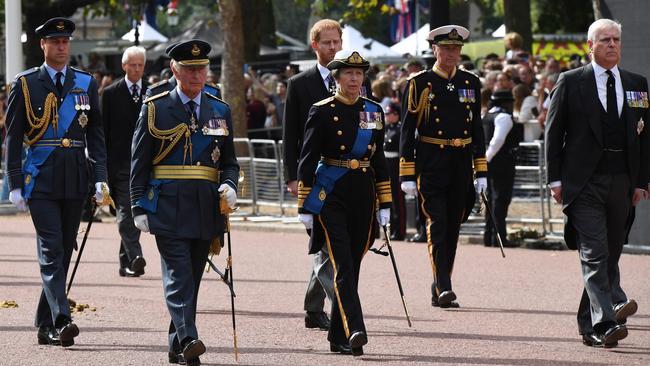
(65,174)
(185,208)
(439,108)
(170,84)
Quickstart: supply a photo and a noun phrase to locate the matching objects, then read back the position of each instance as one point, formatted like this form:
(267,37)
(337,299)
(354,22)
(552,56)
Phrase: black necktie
(134,93)
(612,108)
(331,83)
(59,85)
(191,106)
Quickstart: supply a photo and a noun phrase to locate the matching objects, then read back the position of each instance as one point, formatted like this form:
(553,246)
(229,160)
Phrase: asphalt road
(514,311)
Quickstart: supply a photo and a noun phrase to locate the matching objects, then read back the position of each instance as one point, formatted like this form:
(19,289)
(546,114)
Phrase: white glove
(16,197)
(307,220)
(383,216)
(480,184)
(230,194)
(142,223)
(409,188)
(99,194)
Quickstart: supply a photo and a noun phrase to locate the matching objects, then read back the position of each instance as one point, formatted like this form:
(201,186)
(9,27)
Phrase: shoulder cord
(173,135)
(422,106)
(50,113)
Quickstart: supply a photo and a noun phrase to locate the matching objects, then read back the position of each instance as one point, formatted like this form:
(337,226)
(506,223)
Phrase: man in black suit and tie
(303,90)
(121,104)
(597,156)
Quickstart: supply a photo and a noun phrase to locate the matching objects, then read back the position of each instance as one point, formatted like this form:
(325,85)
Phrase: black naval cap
(190,53)
(449,34)
(169,48)
(502,95)
(348,58)
(56,27)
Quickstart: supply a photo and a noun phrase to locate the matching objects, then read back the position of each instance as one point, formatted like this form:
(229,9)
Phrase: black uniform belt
(65,142)
(347,164)
(186,172)
(458,142)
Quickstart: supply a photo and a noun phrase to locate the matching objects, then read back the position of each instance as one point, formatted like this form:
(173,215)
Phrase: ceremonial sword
(494,222)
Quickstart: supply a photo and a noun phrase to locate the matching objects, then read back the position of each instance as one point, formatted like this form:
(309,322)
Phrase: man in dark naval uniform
(597,150)
(54,109)
(442,137)
(183,164)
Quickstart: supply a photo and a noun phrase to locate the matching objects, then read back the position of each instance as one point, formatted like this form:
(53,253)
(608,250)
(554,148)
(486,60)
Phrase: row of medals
(81,103)
(216,153)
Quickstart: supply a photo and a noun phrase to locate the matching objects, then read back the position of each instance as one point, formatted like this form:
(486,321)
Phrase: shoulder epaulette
(469,74)
(213,85)
(80,70)
(160,83)
(27,72)
(216,98)
(157,96)
(370,100)
(416,74)
(324,101)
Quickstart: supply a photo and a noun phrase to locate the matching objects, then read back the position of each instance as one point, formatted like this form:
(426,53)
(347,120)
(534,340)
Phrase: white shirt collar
(185,98)
(52,72)
(129,83)
(599,70)
(324,71)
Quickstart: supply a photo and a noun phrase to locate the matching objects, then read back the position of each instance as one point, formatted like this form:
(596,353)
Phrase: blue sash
(37,155)
(200,142)
(326,175)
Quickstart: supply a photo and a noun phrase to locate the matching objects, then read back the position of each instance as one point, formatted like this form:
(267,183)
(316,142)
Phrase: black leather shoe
(624,310)
(358,351)
(317,320)
(592,340)
(446,298)
(48,335)
(128,272)
(358,339)
(176,357)
(343,349)
(420,237)
(137,264)
(396,237)
(614,334)
(193,349)
(434,302)
(67,332)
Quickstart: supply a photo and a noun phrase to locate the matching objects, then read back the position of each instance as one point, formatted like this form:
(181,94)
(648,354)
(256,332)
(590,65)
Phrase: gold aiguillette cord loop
(50,114)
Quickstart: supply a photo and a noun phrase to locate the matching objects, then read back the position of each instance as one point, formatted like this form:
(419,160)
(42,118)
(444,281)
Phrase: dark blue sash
(326,175)
(37,155)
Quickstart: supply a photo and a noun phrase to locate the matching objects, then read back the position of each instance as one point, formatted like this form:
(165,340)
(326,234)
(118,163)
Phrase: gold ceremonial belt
(186,172)
(447,142)
(347,164)
(59,143)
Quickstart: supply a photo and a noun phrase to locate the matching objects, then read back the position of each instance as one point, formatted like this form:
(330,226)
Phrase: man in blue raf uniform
(442,137)
(183,163)
(55,110)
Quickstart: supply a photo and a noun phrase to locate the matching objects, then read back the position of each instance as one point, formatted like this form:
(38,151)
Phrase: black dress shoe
(594,340)
(67,332)
(358,339)
(340,348)
(434,302)
(317,320)
(624,310)
(176,357)
(193,349)
(48,335)
(137,265)
(397,237)
(614,334)
(358,351)
(420,237)
(446,298)
(128,272)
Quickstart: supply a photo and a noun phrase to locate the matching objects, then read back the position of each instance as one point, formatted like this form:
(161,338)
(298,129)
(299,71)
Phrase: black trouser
(56,223)
(501,178)
(599,214)
(443,192)
(129,234)
(346,218)
(398,211)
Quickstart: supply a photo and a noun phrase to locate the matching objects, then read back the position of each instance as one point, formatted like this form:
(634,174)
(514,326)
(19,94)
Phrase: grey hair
(601,24)
(174,65)
(133,51)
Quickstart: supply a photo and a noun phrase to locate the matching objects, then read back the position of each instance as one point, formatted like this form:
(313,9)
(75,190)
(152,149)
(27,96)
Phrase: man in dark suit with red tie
(121,103)
(597,164)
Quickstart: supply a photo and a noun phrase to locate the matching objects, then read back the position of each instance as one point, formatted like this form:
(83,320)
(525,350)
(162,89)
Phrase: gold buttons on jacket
(437,119)
(364,170)
(467,82)
(467,106)
(468,120)
(369,147)
(339,132)
(342,147)
(332,105)
(465,132)
(198,163)
(439,132)
(336,118)
(435,107)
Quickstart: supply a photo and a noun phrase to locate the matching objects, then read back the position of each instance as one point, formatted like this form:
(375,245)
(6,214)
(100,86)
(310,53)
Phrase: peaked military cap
(190,53)
(169,48)
(348,58)
(502,95)
(449,34)
(55,27)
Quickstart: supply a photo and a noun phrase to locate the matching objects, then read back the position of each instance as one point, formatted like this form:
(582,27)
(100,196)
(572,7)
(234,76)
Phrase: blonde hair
(513,40)
(321,25)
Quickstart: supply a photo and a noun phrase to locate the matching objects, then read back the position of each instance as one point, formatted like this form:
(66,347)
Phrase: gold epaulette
(303,192)
(157,96)
(160,83)
(383,192)
(480,165)
(324,101)
(216,97)
(416,74)
(406,168)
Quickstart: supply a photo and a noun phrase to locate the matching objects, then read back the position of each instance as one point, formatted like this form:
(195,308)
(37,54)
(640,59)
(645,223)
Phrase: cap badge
(60,26)
(355,58)
(453,34)
(195,50)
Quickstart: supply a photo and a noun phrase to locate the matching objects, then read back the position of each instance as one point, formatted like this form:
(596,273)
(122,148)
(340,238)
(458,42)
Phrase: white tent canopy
(500,32)
(146,34)
(367,47)
(414,44)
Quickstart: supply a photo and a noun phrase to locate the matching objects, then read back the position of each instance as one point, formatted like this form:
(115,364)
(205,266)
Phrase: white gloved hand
(142,223)
(16,197)
(307,220)
(409,188)
(99,194)
(230,194)
(383,216)
(480,184)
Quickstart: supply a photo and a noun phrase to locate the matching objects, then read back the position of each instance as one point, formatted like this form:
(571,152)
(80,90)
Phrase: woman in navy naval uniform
(341,175)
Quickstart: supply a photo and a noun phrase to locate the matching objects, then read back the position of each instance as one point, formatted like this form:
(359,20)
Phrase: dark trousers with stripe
(346,218)
(398,212)
(501,180)
(56,223)
(443,194)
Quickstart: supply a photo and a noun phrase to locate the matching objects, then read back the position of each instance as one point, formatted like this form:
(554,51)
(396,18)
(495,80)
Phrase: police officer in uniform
(501,140)
(442,139)
(391,152)
(183,164)
(341,175)
(54,108)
